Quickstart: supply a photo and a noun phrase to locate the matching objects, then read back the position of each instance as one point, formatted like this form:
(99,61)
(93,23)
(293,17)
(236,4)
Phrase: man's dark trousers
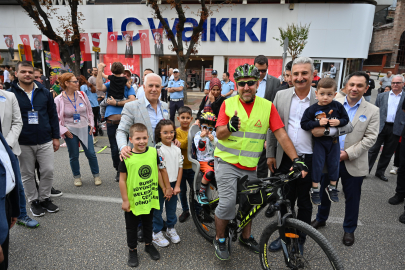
(5,245)
(262,167)
(390,144)
(352,189)
(298,190)
(326,150)
(400,189)
(115,154)
(175,106)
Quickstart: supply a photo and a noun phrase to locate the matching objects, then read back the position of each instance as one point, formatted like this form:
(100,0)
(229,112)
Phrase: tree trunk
(182,70)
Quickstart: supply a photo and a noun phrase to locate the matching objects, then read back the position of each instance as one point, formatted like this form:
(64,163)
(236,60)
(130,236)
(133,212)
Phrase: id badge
(76,118)
(33,118)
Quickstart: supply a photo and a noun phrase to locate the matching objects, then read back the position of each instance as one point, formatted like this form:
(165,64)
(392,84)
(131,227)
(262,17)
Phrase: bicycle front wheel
(312,251)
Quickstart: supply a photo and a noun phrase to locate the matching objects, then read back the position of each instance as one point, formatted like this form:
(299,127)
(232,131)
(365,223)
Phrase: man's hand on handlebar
(300,166)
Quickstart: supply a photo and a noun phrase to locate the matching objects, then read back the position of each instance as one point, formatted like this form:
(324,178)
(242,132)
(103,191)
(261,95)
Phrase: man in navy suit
(9,200)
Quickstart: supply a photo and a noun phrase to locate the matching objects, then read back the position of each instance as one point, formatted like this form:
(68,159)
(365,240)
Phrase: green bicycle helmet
(208,118)
(246,71)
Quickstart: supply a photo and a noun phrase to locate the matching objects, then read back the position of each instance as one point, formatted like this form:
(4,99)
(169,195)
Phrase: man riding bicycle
(241,130)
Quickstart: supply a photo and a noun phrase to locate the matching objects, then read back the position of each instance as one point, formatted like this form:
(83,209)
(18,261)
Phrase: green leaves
(297,36)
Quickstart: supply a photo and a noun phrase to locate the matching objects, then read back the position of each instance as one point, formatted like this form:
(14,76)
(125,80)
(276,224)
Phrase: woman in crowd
(90,91)
(213,101)
(76,121)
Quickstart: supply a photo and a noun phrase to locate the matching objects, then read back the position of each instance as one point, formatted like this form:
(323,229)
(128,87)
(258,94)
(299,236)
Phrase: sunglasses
(207,127)
(249,83)
(262,70)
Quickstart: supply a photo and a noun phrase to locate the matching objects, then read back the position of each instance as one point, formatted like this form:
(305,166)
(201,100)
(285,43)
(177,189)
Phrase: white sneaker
(394,170)
(78,182)
(172,234)
(160,240)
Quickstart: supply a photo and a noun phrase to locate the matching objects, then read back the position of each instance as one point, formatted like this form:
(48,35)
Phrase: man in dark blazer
(267,89)
(9,200)
(392,120)
(371,84)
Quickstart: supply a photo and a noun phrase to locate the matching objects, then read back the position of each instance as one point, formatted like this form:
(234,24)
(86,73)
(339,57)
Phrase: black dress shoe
(348,239)
(270,211)
(397,199)
(316,224)
(140,234)
(402,218)
(382,177)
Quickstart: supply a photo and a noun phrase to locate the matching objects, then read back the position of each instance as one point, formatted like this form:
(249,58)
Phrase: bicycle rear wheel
(204,215)
(315,253)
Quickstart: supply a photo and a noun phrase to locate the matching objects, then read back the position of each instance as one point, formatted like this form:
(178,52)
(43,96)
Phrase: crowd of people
(253,126)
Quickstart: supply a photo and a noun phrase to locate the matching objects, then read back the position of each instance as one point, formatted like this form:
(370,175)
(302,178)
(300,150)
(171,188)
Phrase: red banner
(129,49)
(8,39)
(274,68)
(54,49)
(85,47)
(132,64)
(27,47)
(208,74)
(112,43)
(145,48)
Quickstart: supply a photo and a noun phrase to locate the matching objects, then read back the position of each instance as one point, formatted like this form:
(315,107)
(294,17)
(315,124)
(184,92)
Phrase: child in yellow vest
(139,179)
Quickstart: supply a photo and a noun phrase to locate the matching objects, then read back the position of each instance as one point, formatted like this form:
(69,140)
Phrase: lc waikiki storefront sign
(216,25)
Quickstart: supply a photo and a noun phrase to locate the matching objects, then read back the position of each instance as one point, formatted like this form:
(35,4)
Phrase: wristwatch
(326,132)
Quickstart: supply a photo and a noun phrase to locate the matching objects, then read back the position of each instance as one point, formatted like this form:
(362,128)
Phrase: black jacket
(371,87)
(48,127)
(215,106)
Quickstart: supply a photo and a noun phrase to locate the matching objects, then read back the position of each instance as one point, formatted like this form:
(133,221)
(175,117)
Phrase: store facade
(233,34)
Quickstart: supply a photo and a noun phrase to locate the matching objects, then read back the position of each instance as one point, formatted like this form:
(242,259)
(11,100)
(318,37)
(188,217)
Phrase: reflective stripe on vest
(246,145)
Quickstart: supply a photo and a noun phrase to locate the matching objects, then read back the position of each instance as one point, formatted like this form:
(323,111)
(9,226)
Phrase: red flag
(85,46)
(145,49)
(112,43)
(27,48)
(54,48)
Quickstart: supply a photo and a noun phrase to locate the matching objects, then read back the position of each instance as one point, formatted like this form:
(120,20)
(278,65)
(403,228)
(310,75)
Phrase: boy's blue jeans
(73,148)
(188,177)
(170,211)
(325,151)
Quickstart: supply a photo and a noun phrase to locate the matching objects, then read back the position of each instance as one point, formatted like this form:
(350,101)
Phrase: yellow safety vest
(246,145)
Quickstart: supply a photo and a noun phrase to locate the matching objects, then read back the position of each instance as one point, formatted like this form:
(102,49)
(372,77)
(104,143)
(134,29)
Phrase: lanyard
(74,99)
(32,98)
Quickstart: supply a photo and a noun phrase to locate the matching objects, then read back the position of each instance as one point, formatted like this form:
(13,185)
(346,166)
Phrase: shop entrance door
(326,70)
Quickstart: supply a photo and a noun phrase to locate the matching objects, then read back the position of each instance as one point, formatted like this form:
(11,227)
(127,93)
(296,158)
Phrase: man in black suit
(128,46)
(36,54)
(267,89)
(371,83)
(158,44)
(9,205)
(287,78)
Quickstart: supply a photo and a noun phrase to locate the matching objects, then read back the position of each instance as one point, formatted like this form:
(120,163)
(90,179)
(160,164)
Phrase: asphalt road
(89,232)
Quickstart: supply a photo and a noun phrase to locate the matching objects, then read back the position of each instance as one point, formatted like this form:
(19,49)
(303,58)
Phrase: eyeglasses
(398,83)
(262,70)
(74,81)
(207,127)
(166,132)
(249,83)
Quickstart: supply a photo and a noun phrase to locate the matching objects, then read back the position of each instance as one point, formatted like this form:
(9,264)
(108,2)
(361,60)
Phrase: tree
(297,36)
(43,11)
(183,51)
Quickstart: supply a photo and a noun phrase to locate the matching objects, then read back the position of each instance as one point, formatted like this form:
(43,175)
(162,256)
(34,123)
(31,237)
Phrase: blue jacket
(13,195)
(48,127)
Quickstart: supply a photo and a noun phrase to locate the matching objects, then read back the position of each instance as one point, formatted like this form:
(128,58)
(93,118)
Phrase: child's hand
(125,206)
(323,121)
(203,133)
(334,122)
(176,190)
(210,136)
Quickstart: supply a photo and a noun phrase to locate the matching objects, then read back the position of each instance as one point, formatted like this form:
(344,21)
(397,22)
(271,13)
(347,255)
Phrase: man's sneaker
(97,181)
(28,222)
(202,198)
(36,209)
(160,240)
(133,258)
(250,243)
(95,141)
(49,206)
(78,182)
(172,234)
(117,177)
(394,170)
(153,252)
(56,193)
(221,250)
(315,197)
(332,194)
(184,216)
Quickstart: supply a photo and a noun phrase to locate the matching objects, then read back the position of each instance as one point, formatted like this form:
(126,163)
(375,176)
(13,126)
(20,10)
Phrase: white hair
(304,60)
(399,76)
(152,75)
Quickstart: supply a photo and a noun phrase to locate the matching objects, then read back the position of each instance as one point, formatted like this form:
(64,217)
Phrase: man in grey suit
(332,71)
(392,120)
(267,89)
